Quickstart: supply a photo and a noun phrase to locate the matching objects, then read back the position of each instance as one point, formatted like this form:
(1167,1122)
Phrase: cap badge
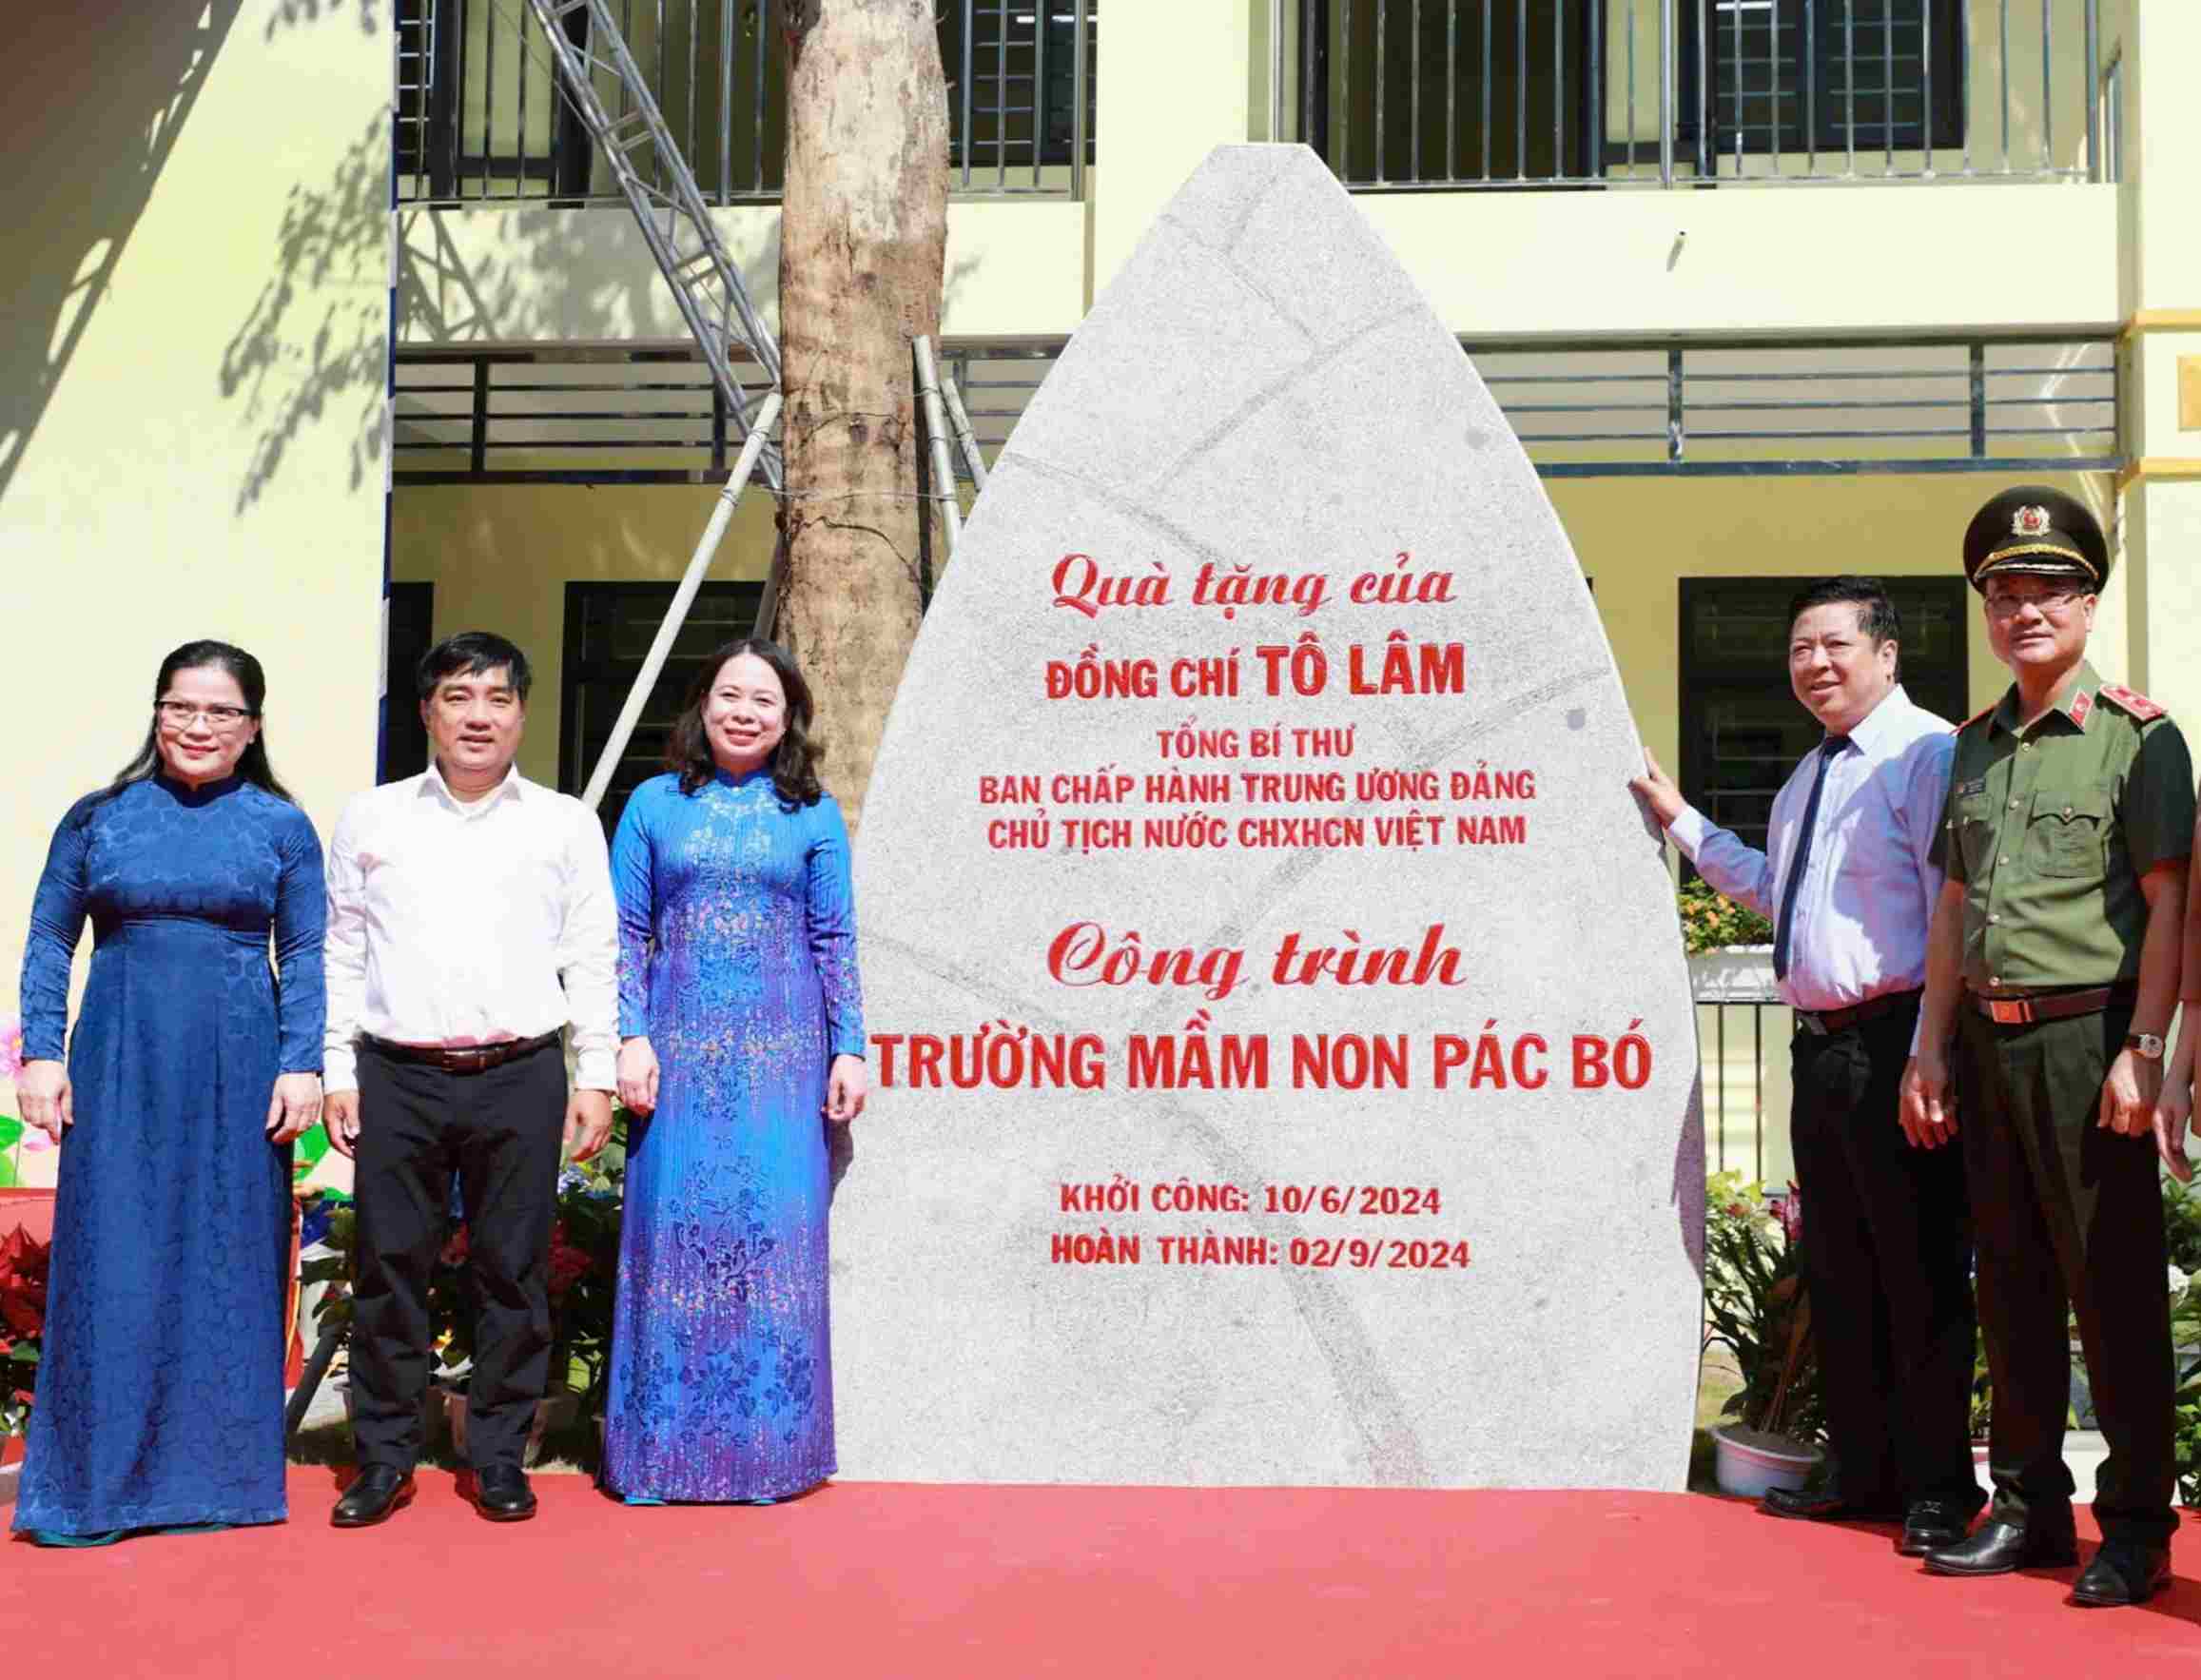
(2029,521)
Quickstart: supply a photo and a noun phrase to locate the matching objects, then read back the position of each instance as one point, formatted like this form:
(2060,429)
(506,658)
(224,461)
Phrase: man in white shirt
(469,923)
(1849,884)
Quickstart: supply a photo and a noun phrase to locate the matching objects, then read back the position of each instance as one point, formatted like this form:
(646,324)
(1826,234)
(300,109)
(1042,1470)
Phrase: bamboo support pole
(935,435)
(965,438)
(684,598)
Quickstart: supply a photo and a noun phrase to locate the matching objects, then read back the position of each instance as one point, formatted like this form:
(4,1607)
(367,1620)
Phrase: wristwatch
(2147,1044)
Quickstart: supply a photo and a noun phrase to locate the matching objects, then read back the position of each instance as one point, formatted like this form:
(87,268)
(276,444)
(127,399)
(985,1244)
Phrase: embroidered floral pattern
(159,1397)
(737,957)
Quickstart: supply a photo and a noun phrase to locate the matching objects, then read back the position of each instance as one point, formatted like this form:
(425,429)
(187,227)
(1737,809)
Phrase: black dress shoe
(2123,1572)
(2001,1547)
(502,1494)
(375,1493)
(1932,1524)
(1826,1504)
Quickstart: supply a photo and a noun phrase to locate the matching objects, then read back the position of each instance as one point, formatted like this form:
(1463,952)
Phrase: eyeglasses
(180,714)
(2053,603)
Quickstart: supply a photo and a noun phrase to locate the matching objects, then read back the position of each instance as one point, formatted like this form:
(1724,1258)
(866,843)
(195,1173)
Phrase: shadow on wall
(114,83)
(291,14)
(553,274)
(316,339)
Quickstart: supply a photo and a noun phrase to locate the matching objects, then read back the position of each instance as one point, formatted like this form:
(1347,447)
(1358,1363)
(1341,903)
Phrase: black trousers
(1886,1258)
(500,1131)
(2069,1214)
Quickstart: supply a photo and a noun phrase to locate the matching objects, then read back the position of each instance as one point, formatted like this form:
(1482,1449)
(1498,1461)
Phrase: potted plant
(1729,949)
(24,1264)
(1756,1307)
(2182,1231)
(583,1288)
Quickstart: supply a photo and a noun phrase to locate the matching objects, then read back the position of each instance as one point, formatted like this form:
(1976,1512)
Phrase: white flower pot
(1752,1461)
(1733,974)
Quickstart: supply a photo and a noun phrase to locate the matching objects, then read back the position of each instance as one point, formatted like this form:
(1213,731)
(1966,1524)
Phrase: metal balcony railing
(2014,404)
(1450,94)
(480,117)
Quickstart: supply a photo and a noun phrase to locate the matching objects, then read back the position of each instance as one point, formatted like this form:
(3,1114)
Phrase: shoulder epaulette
(2126,700)
(1975,718)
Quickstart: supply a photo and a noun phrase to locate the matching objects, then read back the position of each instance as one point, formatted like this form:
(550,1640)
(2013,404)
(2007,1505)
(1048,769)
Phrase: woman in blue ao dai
(158,1401)
(744,1039)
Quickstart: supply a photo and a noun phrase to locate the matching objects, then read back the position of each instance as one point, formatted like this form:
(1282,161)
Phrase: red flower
(1792,1214)
(23,1269)
(568,1265)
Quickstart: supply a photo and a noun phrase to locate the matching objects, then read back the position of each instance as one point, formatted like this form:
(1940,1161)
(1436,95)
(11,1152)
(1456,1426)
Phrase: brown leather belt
(460,1058)
(1826,1021)
(2023,1008)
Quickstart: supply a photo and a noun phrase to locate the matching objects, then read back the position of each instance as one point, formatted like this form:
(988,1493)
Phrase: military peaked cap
(2033,529)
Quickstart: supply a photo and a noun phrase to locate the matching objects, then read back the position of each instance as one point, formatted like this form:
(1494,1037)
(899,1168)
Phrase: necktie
(1828,750)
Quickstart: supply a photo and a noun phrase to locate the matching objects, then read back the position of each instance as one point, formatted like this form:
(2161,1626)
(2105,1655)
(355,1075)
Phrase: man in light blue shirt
(1848,881)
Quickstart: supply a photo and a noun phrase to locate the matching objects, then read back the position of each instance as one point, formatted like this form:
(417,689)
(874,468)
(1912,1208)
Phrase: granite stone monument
(1282,1057)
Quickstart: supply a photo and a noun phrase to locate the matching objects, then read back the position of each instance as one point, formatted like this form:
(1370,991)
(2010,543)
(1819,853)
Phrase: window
(1825,75)
(481,112)
(1392,94)
(2112,121)
(608,629)
(993,54)
(1743,730)
(411,620)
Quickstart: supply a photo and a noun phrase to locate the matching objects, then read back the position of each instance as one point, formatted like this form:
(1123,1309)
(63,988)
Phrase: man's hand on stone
(587,1123)
(1656,789)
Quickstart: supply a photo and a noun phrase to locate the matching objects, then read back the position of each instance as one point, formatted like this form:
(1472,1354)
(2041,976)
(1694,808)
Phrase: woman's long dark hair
(794,763)
(207,655)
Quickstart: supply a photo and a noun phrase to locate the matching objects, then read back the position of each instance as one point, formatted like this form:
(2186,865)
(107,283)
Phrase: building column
(193,388)
(2159,502)
(1175,82)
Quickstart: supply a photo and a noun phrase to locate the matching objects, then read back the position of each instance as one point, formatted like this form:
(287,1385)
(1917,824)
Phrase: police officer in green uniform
(2054,967)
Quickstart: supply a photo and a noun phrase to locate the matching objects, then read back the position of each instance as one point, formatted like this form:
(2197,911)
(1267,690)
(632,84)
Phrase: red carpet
(864,1578)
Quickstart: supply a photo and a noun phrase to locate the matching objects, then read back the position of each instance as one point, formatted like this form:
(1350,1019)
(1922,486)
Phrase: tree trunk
(863,240)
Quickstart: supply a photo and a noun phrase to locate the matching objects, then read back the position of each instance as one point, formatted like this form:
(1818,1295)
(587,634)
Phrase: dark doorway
(608,629)
(412,630)
(1743,730)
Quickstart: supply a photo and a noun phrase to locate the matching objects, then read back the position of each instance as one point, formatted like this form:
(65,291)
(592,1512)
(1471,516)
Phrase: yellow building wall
(501,556)
(1637,539)
(191,389)
(1177,80)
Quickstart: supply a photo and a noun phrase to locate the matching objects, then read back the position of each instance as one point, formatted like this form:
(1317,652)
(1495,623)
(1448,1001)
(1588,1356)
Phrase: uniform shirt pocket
(2067,834)
(1975,825)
